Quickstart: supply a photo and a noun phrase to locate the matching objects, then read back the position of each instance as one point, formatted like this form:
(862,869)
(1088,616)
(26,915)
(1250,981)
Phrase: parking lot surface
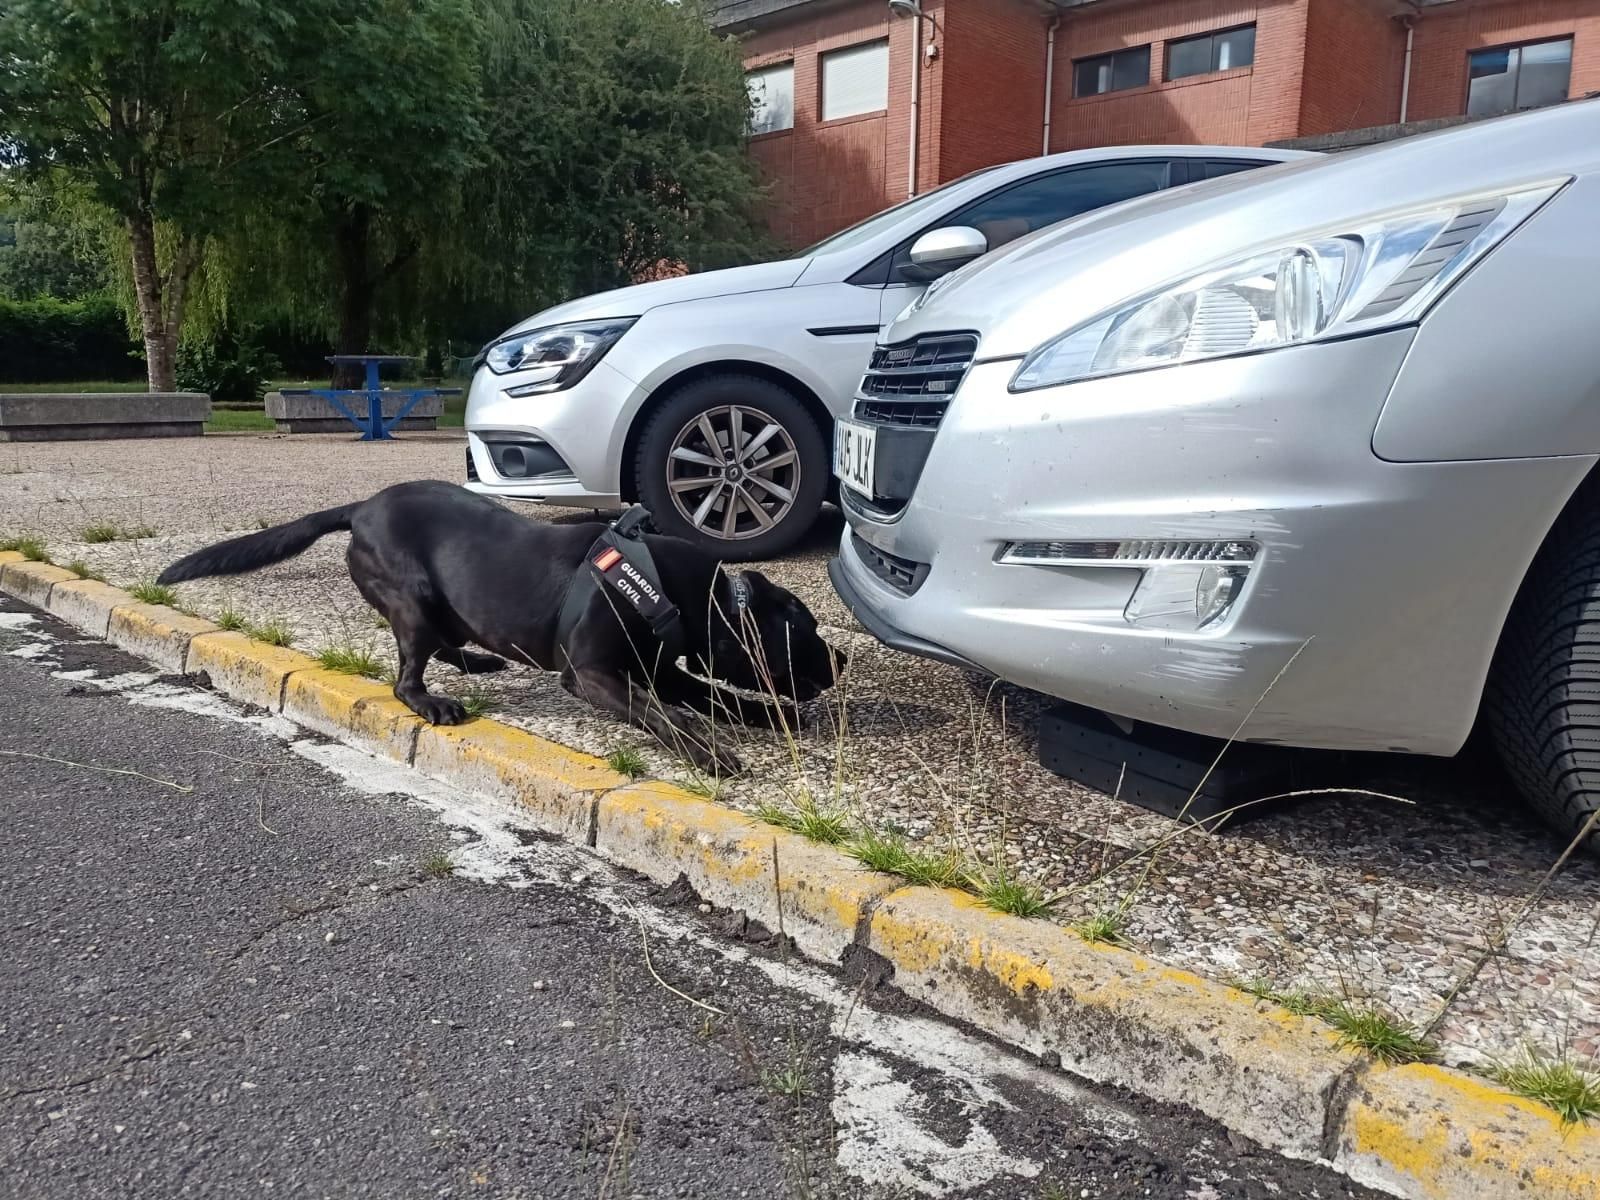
(1428,897)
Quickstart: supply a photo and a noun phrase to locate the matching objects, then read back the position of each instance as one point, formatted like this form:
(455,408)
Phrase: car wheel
(735,464)
(1543,699)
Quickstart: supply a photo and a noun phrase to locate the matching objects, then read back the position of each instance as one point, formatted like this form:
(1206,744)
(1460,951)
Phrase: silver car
(711,397)
(1303,455)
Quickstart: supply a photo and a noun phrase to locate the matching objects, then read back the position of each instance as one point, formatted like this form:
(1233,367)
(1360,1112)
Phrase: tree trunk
(160,343)
(161,301)
(356,291)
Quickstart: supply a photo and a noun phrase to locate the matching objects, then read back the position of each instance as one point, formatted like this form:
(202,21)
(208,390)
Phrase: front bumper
(1384,584)
(557,448)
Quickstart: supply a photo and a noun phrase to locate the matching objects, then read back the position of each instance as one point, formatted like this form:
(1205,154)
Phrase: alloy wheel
(733,472)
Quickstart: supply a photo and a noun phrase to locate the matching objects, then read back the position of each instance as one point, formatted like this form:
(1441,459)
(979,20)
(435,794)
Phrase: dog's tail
(241,554)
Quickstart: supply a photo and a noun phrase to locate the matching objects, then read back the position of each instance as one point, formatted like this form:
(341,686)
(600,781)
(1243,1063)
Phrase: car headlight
(556,356)
(1331,283)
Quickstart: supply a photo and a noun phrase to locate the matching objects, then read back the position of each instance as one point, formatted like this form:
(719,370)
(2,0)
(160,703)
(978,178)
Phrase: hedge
(46,340)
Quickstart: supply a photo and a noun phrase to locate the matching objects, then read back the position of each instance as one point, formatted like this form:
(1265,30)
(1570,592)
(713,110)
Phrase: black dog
(447,567)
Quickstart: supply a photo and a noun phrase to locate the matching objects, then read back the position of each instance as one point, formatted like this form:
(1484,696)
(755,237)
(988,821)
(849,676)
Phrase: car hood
(1052,281)
(639,299)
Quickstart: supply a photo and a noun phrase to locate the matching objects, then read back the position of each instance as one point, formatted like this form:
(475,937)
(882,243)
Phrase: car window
(1008,214)
(1216,168)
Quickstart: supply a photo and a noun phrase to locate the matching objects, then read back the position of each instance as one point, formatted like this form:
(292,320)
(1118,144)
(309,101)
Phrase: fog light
(1218,588)
(1185,597)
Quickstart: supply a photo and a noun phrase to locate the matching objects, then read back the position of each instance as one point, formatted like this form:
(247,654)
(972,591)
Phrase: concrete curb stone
(352,709)
(85,603)
(156,632)
(557,786)
(32,581)
(1422,1132)
(1115,1017)
(813,893)
(246,670)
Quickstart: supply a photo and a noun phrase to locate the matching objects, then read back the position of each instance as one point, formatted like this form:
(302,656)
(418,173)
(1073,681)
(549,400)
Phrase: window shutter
(855,80)
(771,98)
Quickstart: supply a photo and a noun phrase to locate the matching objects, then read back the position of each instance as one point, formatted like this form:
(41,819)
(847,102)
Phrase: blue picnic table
(373,426)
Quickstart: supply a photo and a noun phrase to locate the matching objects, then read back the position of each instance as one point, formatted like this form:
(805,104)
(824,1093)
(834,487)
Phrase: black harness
(620,560)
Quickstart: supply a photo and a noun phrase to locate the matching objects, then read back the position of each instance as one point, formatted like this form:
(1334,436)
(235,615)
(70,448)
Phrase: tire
(775,493)
(1543,700)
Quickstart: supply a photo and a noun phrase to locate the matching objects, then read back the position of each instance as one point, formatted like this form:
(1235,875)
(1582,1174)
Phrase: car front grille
(902,574)
(910,383)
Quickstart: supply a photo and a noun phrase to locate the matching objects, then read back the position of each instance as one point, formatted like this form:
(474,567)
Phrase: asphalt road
(244,961)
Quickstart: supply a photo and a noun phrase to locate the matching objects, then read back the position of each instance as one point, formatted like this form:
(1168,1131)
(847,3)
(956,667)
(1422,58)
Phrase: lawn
(225,420)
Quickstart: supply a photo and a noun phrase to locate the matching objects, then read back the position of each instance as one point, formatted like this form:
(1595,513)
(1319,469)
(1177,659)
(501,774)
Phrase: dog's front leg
(675,729)
(677,686)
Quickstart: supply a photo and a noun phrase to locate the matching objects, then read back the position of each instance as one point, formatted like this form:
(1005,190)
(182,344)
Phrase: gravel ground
(1388,900)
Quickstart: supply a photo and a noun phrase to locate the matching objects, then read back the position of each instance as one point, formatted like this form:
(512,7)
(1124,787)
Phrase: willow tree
(163,114)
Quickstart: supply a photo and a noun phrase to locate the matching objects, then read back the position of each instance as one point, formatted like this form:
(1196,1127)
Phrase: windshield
(864,231)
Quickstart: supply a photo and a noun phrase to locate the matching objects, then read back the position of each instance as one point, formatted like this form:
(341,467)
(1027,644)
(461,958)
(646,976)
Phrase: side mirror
(940,251)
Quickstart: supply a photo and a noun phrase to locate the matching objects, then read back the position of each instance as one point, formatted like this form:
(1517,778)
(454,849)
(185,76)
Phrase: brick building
(845,125)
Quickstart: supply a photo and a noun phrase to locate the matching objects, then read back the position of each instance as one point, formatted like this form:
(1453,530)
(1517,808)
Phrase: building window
(1111,72)
(771,98)
(1512,78)
(855,81)
(1220,51)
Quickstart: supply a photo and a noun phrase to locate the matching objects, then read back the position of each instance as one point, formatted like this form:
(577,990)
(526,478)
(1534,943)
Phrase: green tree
(42,257)
(617,132)
(162,113)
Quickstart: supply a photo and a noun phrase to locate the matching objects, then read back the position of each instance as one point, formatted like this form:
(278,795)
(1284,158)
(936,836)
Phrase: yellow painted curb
(660,830)
(246,670)
(352,709)
(10,556)
(85,603)
(1115,1017)
(1435,1134)
(155,632)
(556,785)
(31,582)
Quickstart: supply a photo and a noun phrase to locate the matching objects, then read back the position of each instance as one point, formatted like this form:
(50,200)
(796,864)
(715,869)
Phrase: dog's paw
(440,710)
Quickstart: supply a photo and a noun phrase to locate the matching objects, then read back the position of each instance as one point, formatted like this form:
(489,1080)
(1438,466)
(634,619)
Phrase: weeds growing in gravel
(1106,927)
(230,621)
(30,547)
(626,760)
(98,534)
(1385,1037)
(893,855)
(438,865)
(147,592)
(274,632)
(349,660)
(138,533)
(475,700)
(84,571)
(1003,890)
(805,817)
(1557,1083)
(707,787)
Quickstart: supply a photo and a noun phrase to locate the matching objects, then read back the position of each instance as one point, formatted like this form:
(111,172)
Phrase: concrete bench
(92,416)
(298,412)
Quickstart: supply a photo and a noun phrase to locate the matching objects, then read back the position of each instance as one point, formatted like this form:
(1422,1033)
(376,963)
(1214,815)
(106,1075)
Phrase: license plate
(854,449)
